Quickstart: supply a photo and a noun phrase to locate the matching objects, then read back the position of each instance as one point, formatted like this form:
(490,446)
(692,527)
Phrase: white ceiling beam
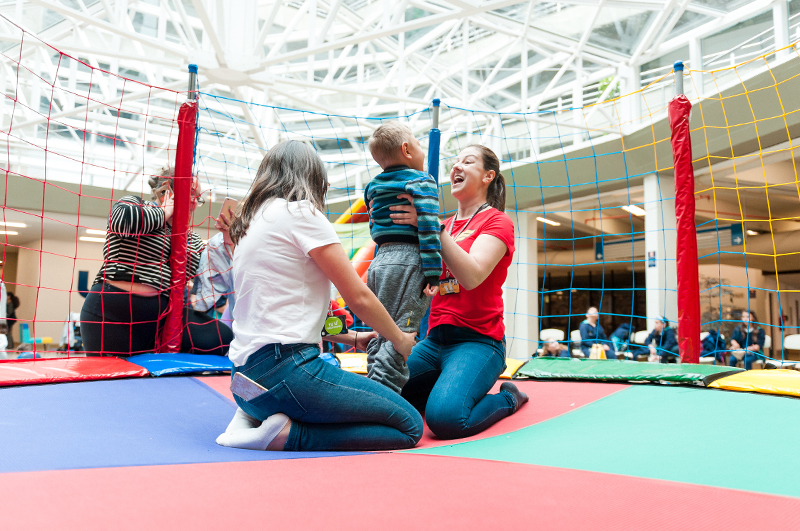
(745,12)
(408,26)
(211,32)
(107,26)
(154,91)
(665,31)
(655,27)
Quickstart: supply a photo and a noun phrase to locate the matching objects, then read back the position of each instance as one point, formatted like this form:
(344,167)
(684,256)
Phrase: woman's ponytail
(496,194)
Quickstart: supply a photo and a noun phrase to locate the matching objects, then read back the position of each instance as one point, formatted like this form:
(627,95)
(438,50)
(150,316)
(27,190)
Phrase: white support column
(520,292)
(696,63)
(661,280)
(577,101)
(631,108)
(780,21)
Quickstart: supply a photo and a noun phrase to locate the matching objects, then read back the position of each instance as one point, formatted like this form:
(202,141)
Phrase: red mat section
(547,400)
(41,371)
(378,491)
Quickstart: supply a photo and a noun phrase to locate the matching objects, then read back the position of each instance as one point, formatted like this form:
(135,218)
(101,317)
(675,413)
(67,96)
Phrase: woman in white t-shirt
(287,254)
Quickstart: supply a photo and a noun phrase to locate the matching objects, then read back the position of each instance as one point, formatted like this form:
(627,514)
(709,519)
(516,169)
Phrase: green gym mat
(622,371)
(683,434)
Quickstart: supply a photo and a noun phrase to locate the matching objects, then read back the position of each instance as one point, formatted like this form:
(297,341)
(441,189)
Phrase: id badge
(449,286)
(334,325)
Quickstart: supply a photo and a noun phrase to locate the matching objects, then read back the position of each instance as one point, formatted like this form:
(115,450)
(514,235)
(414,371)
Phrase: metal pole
(434,137)
(192,82)
(436,102)
(678,68)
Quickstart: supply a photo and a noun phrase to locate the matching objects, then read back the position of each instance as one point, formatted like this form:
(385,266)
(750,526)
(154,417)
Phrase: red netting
(81,140)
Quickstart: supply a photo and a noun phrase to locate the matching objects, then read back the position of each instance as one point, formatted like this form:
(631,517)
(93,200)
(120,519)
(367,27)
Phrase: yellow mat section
(512,366)
(357,363)
(351,362)
(774,382)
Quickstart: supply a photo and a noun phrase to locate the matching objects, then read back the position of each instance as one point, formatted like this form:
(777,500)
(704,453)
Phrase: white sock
(242,420)
(255,438)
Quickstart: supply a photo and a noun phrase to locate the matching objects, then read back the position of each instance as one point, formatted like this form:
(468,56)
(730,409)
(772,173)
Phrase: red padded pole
(178,255)
(687,262)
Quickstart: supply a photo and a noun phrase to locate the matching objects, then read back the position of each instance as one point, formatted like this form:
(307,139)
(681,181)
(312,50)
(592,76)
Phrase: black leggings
(116,322)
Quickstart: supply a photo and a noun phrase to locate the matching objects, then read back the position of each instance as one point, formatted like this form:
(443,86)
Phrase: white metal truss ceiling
(362,58)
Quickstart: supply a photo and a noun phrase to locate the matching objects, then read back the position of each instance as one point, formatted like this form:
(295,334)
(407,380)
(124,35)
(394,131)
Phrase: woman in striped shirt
(126,307)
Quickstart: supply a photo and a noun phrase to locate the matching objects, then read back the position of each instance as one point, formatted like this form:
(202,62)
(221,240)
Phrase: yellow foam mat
(351,362)
(512,366)
(357,363)
(774,382)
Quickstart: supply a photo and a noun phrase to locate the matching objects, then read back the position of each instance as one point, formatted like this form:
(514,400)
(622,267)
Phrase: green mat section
(626,371)
(353,236)
(683,434)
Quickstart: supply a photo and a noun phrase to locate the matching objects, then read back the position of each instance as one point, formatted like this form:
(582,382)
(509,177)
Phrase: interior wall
(47,282)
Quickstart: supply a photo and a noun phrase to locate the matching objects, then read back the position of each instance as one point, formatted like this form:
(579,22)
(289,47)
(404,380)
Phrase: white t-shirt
(282,296)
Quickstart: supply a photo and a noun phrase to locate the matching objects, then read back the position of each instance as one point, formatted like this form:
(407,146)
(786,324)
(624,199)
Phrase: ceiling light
(9,232)
(752,232)
(90,239)
(548,221)
(96,231)
(12,224)
(633,209)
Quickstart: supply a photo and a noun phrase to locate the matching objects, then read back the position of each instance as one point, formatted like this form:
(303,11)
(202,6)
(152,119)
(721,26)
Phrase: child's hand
(363,339)
(430,291)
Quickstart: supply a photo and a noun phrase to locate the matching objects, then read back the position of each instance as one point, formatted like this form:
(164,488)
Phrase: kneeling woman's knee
(414,426)
(446,422)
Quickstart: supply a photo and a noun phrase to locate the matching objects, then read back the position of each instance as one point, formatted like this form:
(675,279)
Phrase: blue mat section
(143,421)
(176,364)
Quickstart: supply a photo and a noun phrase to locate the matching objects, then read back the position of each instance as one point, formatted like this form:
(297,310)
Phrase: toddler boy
(408,258)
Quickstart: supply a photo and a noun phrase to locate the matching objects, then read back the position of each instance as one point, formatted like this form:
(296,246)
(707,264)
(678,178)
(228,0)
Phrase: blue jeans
(451,371)
(331,409)
(748,359)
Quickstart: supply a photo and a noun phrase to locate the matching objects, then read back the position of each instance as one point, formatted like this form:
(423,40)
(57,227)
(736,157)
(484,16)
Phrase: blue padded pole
(434,136)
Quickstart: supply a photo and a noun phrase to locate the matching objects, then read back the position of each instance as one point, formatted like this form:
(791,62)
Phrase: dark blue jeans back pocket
(278,399)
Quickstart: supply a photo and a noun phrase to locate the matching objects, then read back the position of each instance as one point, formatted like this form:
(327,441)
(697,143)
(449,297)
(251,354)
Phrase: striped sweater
(383,191)
(137,245)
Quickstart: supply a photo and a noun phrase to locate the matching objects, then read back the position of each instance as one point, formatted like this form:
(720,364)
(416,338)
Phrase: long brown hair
(496,194)
(290,170)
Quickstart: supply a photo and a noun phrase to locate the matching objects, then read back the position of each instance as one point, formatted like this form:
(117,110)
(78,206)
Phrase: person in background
(621,337)
(661,342)
(12,303)
(713,345)
(747,342)
(592,332)
(555,349)
(214,282)
(125,310)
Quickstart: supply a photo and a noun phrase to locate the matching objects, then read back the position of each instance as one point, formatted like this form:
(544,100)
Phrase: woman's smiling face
(468,177)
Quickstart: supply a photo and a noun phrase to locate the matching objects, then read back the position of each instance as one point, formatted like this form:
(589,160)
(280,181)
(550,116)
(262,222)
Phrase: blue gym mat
(144,421)
(176,364)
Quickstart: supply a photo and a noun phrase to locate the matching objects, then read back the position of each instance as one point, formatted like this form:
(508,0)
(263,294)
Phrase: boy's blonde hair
(385,142)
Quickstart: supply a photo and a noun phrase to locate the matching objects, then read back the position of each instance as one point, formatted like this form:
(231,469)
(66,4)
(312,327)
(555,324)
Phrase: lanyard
(453,224)
(450,232)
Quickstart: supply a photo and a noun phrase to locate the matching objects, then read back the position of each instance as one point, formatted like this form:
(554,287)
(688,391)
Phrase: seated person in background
(747,342)
(215,276)
(621,337)
(592,332)
(554,349)
(713,345)
(661,342)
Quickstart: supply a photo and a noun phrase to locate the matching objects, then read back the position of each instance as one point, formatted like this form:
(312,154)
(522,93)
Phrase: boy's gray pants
(395,277)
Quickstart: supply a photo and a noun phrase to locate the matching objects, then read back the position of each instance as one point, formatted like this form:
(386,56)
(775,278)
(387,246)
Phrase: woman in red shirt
(456,365)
